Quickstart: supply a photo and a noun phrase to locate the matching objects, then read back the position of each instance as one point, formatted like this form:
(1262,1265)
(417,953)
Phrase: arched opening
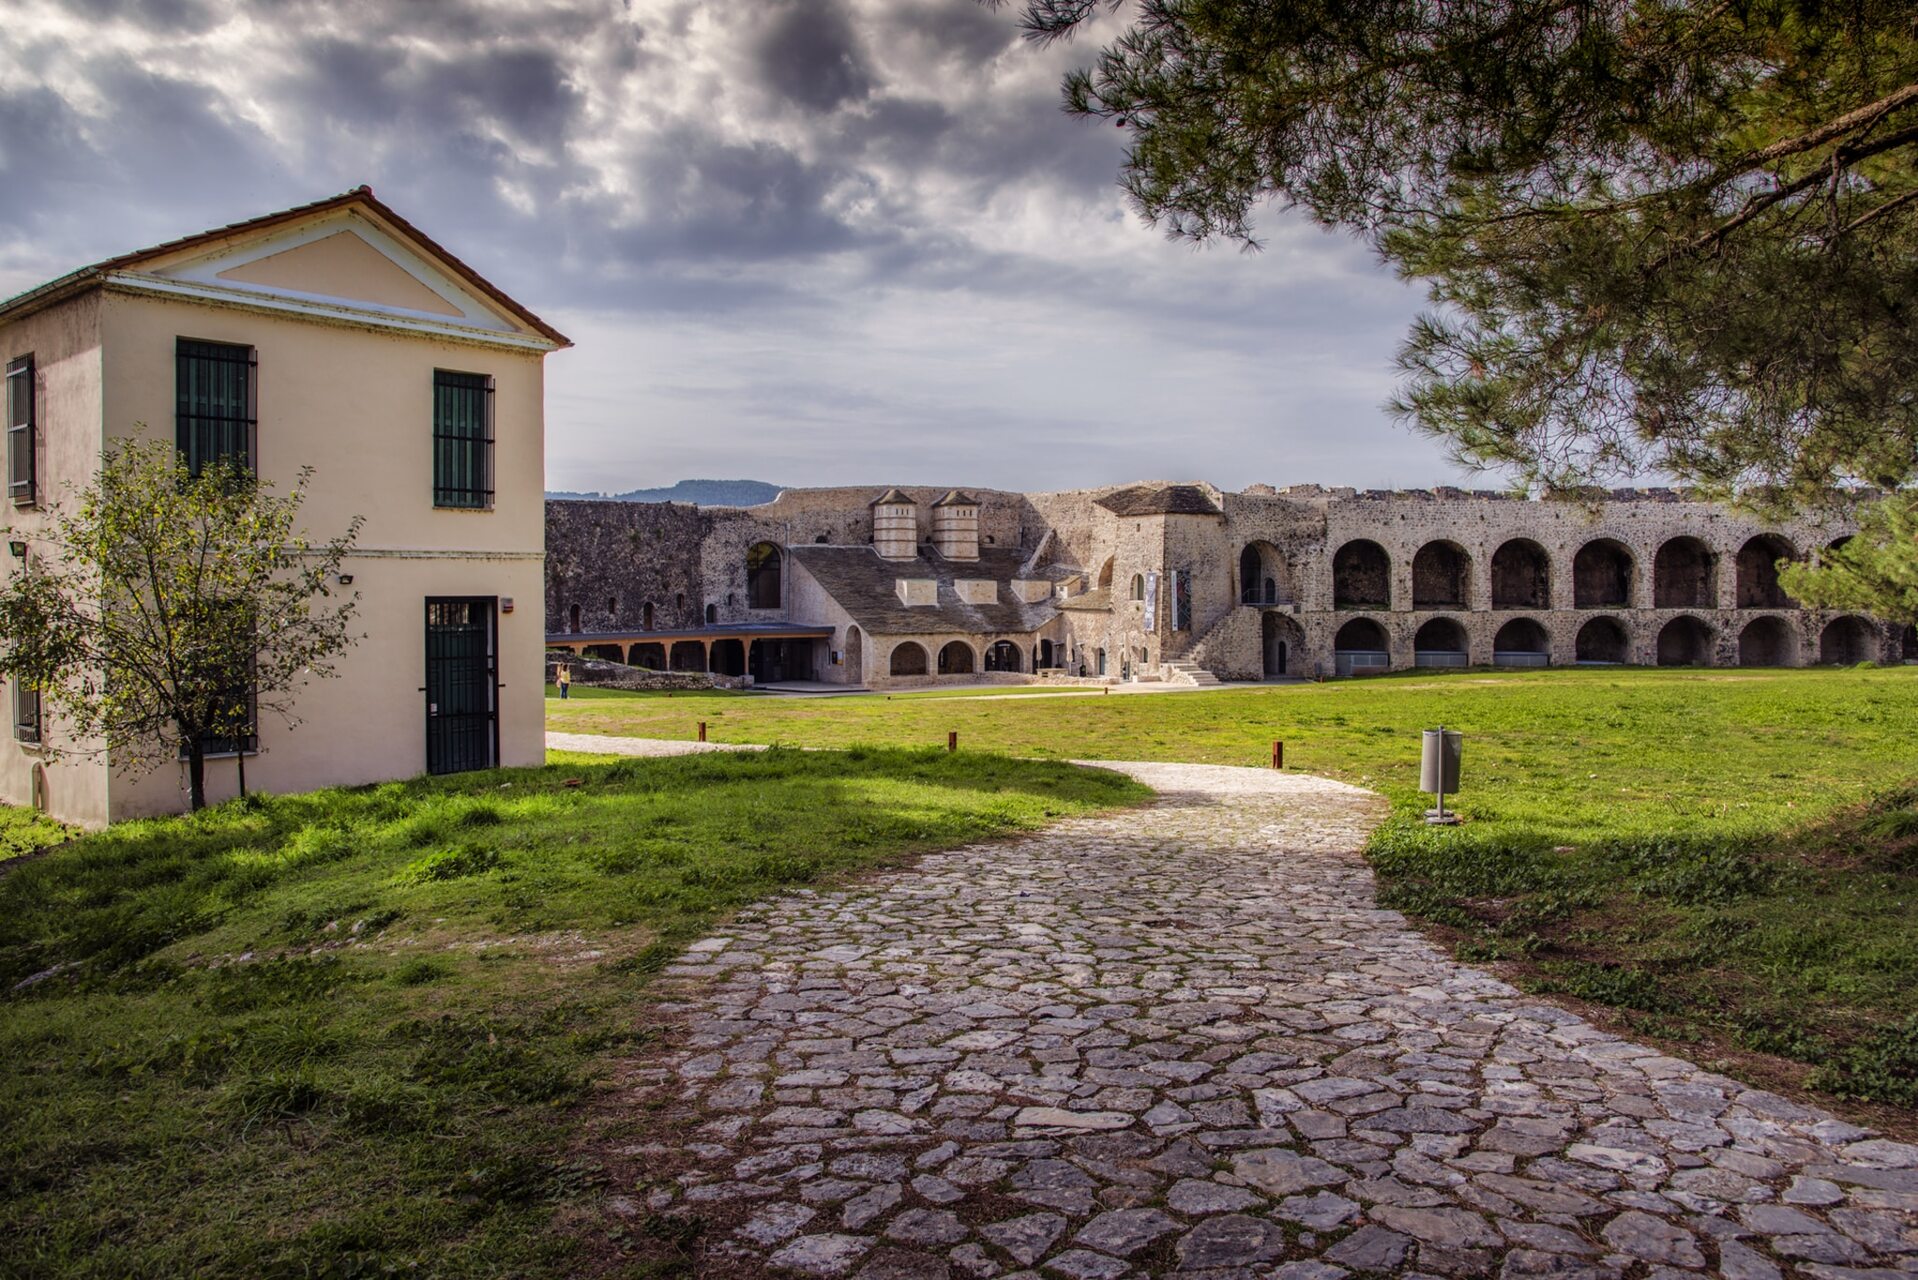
(1521,576)
(1359,648)
(1044,660)
(1361,576)
(1908,645)
(1522,642)
(604,652)
(612,606)
(854,656)
(1138,586)
(652,657)
(1684,575)
(729,657)
(1602,575)
(908,659)
(1105,574)
(956,659)
(688,655)
(712,615)
(1758,586)
(1767,642)
(1602,642)
(1279,640)
(1441,576)
(1848,641)
(762,577)
(1264,576)
(646,616)
(572,620)
(1003,656)
(1685,642)
(1440,643)
(1102,661)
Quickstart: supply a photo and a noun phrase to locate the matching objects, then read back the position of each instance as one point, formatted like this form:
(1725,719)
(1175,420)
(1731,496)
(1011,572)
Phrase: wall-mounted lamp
(346,579)
(19,550)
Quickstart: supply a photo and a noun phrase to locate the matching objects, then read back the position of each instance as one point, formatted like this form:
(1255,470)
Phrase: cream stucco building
(339,337)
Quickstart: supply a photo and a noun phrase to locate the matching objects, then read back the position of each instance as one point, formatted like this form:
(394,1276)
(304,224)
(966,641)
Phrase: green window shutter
(462,439)
(214,417)
(22,434)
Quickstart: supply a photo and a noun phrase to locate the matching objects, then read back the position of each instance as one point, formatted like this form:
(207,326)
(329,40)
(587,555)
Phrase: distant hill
(707,493)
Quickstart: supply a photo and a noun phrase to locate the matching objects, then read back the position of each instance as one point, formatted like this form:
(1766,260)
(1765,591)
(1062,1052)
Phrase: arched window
(1521,576)
(762,577)
(1138,586)
(1602,575)
(679,603)
(712,615)
(1440,575)
(572,619)
(1361,576)
(1758,585)
(1684,575)
(646,616)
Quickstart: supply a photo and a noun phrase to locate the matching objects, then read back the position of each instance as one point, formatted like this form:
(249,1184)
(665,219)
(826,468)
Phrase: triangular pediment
(342,258)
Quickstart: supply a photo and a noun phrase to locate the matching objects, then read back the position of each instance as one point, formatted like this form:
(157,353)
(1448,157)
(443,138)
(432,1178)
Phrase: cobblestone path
(1184,1040)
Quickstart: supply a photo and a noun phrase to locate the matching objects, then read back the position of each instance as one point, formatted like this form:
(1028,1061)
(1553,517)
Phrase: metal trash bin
(1438,770)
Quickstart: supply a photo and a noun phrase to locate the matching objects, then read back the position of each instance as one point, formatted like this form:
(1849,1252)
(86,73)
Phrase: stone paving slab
(1185,1040)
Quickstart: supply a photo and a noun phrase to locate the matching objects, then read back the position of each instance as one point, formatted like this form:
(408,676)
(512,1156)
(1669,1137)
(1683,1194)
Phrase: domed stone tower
(895,526)
(955,526)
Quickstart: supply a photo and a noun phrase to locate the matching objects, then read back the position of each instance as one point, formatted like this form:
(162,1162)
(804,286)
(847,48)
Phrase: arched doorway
(1685,642)
(1264,576)
(1522,642)
(1360,648)
(1441,576)
(1602,575)
(1684,575)
(763,586)
(1767,642)
(1003,656)
(908,659)
(956,659)
(854,656)
(1279,642)
(651,657)
(1521,576)
(1602,642)
(1848,641)
(1440,643)
(1758,585)
(1361,576)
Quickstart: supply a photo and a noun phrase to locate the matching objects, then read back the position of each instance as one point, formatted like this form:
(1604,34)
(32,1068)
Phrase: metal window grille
(462,439)
(22,473)
(214,416)
(26,713)
(462,685)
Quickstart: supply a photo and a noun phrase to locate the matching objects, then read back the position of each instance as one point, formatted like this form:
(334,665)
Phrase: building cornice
(139,283)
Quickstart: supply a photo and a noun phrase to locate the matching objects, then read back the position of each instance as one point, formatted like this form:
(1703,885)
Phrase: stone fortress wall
(1301,581)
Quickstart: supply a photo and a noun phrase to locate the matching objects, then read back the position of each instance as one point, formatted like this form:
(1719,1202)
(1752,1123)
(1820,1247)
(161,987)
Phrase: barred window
(462,440)
(23,480)
(26,713)
(213,383)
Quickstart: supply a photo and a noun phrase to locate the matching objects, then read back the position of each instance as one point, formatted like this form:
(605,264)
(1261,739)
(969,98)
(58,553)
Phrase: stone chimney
(895,526)
(955,526)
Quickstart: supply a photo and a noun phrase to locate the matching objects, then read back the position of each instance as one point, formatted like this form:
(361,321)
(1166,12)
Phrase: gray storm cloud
(807,240)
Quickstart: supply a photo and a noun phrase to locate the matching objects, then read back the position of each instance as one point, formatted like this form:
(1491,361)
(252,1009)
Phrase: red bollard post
(1278,754)
(702,731)
(952,740)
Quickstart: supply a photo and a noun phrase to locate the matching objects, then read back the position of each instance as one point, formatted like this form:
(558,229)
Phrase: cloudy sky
(805,241)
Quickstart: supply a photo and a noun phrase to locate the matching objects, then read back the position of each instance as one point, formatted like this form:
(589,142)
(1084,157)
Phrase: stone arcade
(1183,583)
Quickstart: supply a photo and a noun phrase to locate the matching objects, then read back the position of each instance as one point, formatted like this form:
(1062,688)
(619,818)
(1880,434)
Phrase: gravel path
(607,745)
(1185,1040)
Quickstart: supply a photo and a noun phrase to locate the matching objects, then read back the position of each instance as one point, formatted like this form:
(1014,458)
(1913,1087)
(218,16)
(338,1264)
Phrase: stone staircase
(1185,671)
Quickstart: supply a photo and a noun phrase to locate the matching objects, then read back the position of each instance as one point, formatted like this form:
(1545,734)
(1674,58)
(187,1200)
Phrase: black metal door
(462,704)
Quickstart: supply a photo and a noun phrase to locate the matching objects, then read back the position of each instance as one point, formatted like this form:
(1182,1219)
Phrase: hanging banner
(1151,601)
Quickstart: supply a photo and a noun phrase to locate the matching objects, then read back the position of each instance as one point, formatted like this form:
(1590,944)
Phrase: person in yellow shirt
(564,679)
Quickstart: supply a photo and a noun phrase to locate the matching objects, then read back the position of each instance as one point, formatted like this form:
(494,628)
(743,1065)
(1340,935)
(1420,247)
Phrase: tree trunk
(196,773)
(239,758)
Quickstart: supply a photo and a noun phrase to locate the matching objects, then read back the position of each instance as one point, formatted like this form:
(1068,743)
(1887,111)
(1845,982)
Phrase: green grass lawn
(1725,856)
(348,1033)
(23,831)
